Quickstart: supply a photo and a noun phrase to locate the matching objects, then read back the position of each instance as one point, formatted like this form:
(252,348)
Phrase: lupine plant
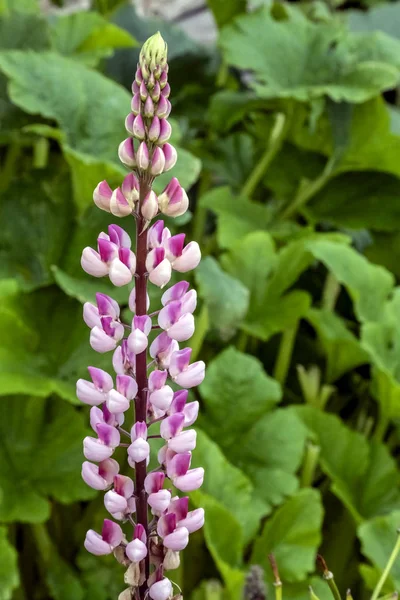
(140,402)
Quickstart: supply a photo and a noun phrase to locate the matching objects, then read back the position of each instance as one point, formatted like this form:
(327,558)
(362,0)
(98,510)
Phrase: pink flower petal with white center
(111,533)
(127,386)
(162,398)
(154,482)
(174,246)
(101,379)
(94,450)
(183,442)
(178,540)
(179,401)
(149,206)
(92,264)
(190,258)
(119,236)
(178,465)
(107,306)
(169,151)
(191,481)
(95,544)
(159,501)
(115,503)
(99,477)
(180,507)
(189,301)
(102,195)
(157,379)
(175,292)
(137,341)
(88,393)
(126,153)
(123,486)
(139,430)
(119,273)
(161,590)
(192,376)
(162,348)
(166,525)
(155,235)
(116,402)
(91,315)
(138,451)
(100,341)
(162,455)
(107,249)
(191,412)
(112,328)
(139,533)
(183,329)
(130,188)
(119,205)
(179,361)
(161,274)
(136,550)
(108,434)
(132,301)
(193,521)
(172,425)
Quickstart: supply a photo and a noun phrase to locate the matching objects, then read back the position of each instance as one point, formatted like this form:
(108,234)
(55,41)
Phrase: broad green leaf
(295,58)
(384,250)
(228,485)
(38,218)
(23,30)
(88,36)
(355,200)
(251,261)
(226,298)
(260,454)
(232,160)
(229,107)
(378,538)
(368,285)
(237,216)
(342,349)
(101,577)
(231,377)
(293,535)
(384,17)
(85,290)
(364,475)
(44,440)
(9,576)
(224,11)
(382,342)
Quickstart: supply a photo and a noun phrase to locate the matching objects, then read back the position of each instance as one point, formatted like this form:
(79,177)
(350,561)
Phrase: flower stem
(275,142)
(141,366)
(387,569)
(285,354)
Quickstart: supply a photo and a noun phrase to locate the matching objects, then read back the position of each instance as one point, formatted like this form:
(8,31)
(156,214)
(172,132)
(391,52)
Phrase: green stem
(275,142)
(10,164)
(306,192)
(200,215)
(309,464)
(332,585)
(202,325)
(278,591)
(285,354)
(330,292)
(387,569)
(241,343)
(41,149)
(381,427)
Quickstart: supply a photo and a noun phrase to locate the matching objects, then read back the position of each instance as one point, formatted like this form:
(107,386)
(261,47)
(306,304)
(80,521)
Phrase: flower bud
(119,206)
(161,590)
(129,123)
(170,155)
(136,104)
(102,196)
(173,201)
(158,266)
(92,264)
(142,157)
(171,560)
(154,129)
(157,162)
(148,109)
(126,153)
(163,108)
(139,130)
(111,536)
(149,207)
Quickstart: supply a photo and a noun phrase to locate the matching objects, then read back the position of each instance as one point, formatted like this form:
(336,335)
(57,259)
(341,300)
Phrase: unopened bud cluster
(147,549)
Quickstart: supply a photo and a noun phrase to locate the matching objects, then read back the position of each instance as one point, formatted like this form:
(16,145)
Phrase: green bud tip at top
(154,52)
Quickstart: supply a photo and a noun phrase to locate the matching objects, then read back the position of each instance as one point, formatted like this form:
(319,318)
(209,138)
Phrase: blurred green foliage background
(288,132)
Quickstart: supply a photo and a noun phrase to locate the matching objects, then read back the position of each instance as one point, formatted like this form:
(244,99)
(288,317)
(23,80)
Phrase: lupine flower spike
(154,521)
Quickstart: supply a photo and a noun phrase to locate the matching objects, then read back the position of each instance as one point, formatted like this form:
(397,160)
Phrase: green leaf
(341,65)
(85,290)
(23,30)
(364,475)
(9,576)
(226,298)
(228,107)
(260,454)
(382,342)
(354,200)
(343,350)
(237,216)
(35,208)
(292,535)
(231,377)
(225,11)
(378,538)
(385,17)
(88,36)
(368,285)
(228,485)
(40,456)
(232,159)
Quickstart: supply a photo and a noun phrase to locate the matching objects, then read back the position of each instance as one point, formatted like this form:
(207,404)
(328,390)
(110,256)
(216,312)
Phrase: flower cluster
(144,388)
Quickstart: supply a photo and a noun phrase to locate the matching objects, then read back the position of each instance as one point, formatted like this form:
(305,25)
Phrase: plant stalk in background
(148,547)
